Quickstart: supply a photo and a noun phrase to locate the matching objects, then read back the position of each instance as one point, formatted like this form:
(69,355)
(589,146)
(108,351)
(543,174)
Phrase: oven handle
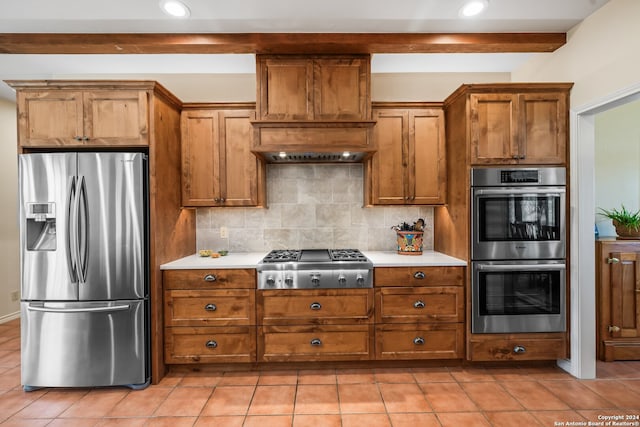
(519,191)
(520,267)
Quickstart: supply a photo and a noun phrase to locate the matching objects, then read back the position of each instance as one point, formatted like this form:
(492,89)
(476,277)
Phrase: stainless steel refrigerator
(84,269)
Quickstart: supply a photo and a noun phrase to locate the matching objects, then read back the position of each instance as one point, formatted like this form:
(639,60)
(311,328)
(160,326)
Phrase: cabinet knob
(614,328)
(419,304)
(419,275)
(210,307)
(418,341)
(315,306)
(77,138)
(211,344)
(85,138)
(210,278)
(521,157)
(612,260)
(316,342)
(519,349)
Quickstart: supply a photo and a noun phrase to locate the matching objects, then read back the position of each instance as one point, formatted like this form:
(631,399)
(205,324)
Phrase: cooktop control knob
(271,281)
(288,281)
(360,280)
(342,281)
(315,280)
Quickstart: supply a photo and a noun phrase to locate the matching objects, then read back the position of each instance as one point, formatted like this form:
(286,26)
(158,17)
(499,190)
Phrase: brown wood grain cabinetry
(618,300)
(518,128)
(511,347)
(420,312)
(218,167)
(409,166)
(313,103)
(313,88)
(315,325)
(83,118)
(210,316)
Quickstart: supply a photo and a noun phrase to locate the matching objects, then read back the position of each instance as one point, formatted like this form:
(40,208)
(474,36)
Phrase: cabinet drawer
(403,342)
(210,279)
(210,345)
(315,343)
(517,347)
(411,305)
(327,306)
(418,276)
(209,308)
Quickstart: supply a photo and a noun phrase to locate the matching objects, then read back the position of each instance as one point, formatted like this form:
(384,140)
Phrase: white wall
(9,250)
(617,161)
(602,54)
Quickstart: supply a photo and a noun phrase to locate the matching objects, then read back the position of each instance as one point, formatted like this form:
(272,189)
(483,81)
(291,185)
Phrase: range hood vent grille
(339,157)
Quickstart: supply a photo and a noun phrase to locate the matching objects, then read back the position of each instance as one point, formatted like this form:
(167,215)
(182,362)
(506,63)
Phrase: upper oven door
(518,223)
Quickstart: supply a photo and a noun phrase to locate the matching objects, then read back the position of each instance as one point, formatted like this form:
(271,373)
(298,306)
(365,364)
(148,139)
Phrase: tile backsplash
(310,206)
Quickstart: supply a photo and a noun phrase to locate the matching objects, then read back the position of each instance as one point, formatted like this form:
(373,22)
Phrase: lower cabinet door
(315,343)
(210,345)
(405,342)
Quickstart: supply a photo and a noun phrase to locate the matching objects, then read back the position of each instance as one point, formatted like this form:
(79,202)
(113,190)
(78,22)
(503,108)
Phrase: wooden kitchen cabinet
(315,325)
(409,166)
(307,87)
(419,313)
(528,128)
(60,117)
(618,299)
(218,167)
(209,316)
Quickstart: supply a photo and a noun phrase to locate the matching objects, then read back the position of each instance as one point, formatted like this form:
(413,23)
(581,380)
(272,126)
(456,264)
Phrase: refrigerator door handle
(71,237)
(83,230)
(79,310)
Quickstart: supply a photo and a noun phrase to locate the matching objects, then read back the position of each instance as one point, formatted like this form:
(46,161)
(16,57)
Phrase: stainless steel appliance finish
(84,269)
(518,296)
(315,269)
(518,213)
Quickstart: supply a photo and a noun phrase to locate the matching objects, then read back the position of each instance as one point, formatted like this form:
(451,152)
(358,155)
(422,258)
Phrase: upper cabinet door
(543,124)
(341,89)
(284,89)
(493,127)
(83,118)
(117,117)
(427,163)
(200,158)
(50,118)
(389,163)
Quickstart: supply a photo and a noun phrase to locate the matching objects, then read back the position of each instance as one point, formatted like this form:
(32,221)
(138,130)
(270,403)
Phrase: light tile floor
(411,397)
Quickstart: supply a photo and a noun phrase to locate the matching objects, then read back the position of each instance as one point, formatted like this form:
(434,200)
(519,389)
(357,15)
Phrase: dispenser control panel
(41,211)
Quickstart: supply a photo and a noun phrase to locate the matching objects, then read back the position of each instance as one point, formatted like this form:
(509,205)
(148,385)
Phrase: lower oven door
(518,296)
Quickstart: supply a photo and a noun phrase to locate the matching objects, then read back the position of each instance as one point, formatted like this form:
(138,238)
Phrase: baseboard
(9,317)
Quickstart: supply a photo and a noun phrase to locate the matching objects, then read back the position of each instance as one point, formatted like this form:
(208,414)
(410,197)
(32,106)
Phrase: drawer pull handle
(211,344)
(418,341)
(419,304)
(210,307)
(519,349)
(316,342)
(315,306)
(419,275)
(210,278)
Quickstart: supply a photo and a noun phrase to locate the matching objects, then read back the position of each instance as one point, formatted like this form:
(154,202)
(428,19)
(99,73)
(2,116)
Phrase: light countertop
(251,260)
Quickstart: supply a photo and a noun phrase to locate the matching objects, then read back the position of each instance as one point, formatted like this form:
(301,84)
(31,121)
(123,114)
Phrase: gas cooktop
(315,268)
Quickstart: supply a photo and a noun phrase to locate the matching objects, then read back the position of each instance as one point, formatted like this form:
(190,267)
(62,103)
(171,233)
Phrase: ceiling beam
(279,43)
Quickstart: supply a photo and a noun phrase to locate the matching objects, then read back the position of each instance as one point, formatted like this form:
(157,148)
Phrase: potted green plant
(626,222)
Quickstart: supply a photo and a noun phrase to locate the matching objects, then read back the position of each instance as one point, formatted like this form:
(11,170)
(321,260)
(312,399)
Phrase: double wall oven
(518,250)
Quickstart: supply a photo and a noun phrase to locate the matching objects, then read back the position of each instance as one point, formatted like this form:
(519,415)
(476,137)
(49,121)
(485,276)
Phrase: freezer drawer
(84,344)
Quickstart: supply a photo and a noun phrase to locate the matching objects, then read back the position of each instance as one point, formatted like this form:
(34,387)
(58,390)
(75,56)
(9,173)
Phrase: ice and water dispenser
(41,226)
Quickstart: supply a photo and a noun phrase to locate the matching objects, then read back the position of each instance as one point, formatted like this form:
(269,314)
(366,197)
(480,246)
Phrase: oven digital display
(519,176)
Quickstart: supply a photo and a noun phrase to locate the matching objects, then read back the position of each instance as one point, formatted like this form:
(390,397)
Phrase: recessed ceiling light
(473,8)
(175,8)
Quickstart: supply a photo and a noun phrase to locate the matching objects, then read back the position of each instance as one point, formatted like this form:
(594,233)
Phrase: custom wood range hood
(313,108)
